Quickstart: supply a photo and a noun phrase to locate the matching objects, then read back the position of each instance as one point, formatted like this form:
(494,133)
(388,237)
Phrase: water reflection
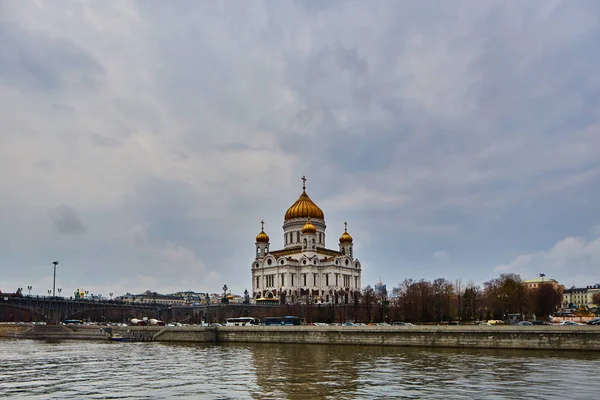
(92,370)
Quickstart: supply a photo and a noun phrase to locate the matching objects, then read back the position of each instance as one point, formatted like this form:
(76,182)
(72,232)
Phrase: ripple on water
(98,370)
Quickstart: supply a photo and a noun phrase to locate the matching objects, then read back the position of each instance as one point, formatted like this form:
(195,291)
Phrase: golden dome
(304,207)
(345,238)
(309,227)
(262,237)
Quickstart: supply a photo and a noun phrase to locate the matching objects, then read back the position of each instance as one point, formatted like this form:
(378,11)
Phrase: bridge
(54,310)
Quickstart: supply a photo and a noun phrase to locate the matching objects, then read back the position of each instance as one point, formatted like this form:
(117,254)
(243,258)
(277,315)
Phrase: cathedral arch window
(347,262)
(337,262)
(304,262)
(269,261)
(283,262)
(258,252)
(315,262)
(297,237)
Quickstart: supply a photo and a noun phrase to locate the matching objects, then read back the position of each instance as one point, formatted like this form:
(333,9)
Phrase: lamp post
(49,291)
(111,295)
(502,298)
(59,290)
(29,289)
(54,281)
(542,276)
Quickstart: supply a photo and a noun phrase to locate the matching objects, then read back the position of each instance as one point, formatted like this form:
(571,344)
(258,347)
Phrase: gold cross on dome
(303,182)
(345,226)
(262,225)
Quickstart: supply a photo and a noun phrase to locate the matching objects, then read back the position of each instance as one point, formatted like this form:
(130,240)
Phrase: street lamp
(111,295)
(29,289)
(49,291)
(542,276)
(59,290)
(54,281)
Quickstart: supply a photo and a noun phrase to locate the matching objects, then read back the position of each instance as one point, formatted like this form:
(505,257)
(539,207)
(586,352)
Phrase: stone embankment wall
(489,337)
(582,338)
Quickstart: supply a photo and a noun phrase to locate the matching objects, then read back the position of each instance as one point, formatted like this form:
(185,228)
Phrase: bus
(72,322)
(242,321)
(288,320)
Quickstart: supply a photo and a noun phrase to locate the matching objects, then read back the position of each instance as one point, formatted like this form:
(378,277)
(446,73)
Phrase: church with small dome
(305,270)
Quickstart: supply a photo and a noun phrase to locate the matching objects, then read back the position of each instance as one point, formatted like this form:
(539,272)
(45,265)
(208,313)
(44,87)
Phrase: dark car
(595,321)
(525,323)
(539,322)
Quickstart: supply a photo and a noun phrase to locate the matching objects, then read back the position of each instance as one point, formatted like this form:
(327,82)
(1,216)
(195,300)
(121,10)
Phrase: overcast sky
(142,143)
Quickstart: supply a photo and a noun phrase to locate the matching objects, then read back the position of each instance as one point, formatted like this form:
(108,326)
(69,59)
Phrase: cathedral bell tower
(262,242)
(346,242)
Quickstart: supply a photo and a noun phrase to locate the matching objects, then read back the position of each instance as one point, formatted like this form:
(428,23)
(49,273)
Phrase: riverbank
(580,338)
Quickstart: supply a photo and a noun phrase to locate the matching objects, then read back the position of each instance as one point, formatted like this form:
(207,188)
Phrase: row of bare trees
(443,300)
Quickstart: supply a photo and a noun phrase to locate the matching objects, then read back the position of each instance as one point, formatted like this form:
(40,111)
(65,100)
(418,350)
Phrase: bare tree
(368,297)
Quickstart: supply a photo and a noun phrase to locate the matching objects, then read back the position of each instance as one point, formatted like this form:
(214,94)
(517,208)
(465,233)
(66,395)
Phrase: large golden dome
(304,207)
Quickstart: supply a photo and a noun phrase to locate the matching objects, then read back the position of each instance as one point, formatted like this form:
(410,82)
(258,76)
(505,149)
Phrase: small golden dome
(262,237)
(304,207)
(229,296)
(309,227)
(345,238)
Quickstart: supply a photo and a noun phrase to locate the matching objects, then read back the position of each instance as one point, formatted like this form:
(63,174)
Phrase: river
(103,370)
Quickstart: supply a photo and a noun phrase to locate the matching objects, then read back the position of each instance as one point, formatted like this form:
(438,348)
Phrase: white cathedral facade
(305,270)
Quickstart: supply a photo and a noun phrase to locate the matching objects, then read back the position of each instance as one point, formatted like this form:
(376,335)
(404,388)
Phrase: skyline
(144,142)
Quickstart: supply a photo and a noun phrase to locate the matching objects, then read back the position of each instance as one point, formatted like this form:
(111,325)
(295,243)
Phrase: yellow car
(495,322)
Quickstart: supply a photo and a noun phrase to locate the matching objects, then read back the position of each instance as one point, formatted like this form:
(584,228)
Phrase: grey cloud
(36,62)
(66,220)
(464,126)
(104,141)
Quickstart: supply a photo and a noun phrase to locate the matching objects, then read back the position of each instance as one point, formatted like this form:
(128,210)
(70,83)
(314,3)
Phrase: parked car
(595,321)
(398,323)
(495,322)
(485,323)
(570,323)
(524,323)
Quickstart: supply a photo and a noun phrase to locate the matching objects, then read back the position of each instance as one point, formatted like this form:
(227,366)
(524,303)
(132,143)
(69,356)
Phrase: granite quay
(578,338)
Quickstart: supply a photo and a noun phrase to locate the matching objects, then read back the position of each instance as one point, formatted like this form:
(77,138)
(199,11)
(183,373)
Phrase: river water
(104,370)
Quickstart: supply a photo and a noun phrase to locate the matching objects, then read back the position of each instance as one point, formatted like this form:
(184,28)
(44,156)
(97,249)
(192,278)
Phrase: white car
(570,323)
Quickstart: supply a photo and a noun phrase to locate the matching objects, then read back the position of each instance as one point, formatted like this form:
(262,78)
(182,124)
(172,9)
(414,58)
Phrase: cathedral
(305,270)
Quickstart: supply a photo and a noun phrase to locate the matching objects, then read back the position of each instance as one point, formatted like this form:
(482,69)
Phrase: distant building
(305,269)
(175,298)
(580,297)
(536,282)
(380,289)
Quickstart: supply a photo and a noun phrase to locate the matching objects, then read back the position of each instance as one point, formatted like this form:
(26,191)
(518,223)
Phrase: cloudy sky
(141,143)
